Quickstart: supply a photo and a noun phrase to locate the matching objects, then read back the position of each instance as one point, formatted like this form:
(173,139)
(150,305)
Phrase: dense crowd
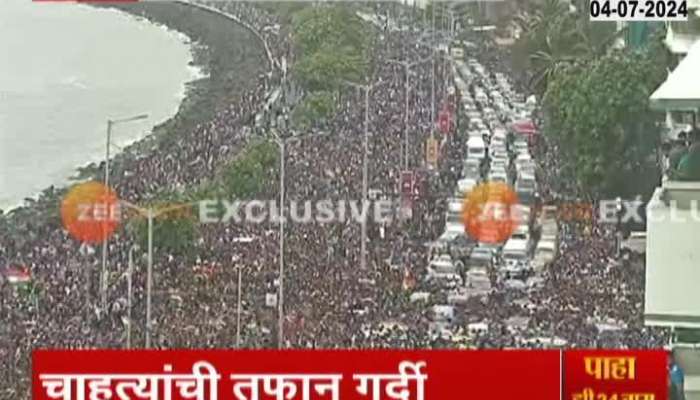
(329,300)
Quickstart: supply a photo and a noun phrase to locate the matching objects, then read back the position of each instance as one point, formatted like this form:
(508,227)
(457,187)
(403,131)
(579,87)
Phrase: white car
(498,152)
(521,214)
(476,147)
(478,279)
(471,169)
(545,252)
(446,280)
(515,284)
(477,135)
(453,217)
(500,132)
(480,256)
(521,232)
(498,175)
(523,156)
(464,186)
(498,166)
(525,188)
(526,170)
(443,265)
(457,297)
(515,269)
(520,147)
(517,250)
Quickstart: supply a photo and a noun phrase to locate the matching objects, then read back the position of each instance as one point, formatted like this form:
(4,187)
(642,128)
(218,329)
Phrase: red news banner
(348,375)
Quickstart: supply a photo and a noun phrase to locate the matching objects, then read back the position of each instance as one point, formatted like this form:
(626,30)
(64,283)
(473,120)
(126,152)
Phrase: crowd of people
(329,300)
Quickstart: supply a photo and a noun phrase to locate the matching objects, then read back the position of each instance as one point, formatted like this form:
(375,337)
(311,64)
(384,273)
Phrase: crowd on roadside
(329,300)
(64,311)
(276,36)
(589,298)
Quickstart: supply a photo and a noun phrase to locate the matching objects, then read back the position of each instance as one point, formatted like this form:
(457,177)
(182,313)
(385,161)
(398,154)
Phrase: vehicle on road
(498,175)
(525,188)
(453,216)
(481,257)
(471,169)
(458,296)
(516,250)
(545,252)
(464,186)
(444,280)
(478,281)
(457,53)
(548,214)
(443,264)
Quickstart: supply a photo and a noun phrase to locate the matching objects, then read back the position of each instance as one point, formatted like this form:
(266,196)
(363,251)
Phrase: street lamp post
(238,307)
(280,300)
(282,142)
(86,251)
(150,213)
(432,75)
(407,66)
(103,273)
(618,226)
(365,167)
(129,273)
(149,278)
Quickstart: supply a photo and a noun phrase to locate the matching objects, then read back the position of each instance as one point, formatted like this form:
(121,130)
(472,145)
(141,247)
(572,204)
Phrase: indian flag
(18,275)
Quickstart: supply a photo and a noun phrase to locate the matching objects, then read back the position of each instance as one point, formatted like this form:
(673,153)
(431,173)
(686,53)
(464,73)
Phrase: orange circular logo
(90,212)
(490,212)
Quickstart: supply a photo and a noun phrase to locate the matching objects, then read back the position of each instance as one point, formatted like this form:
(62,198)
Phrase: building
(672,298)
(680,35)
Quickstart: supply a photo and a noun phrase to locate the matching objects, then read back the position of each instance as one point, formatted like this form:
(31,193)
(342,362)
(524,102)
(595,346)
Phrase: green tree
(598,113)
(555,36)
(174,227)
(246,176)
(315,107)
(328,67)
(315,28)
(534,21)
(334,44)
(173,233)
